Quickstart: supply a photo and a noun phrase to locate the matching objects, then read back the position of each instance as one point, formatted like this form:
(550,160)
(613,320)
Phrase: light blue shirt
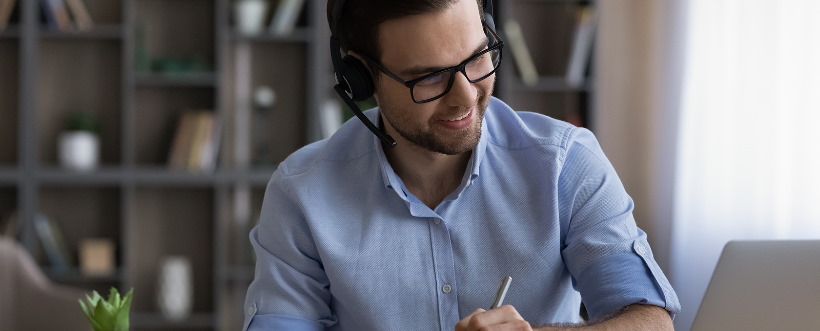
(343,245)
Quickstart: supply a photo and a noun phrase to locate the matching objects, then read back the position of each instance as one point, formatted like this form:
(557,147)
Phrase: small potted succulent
(250,15)
(108,315)
(79,145)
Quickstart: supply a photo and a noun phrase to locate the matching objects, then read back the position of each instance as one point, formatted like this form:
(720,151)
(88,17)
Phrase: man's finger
(501,318)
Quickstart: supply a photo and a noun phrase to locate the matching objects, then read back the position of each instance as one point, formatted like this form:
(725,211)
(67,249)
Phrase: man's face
(416,45)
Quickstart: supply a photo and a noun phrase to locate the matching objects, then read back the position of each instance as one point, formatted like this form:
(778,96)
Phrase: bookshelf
(549,28)
(142,65)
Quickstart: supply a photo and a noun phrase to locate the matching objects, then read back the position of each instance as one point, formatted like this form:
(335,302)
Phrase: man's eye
(432,80)
(479,60)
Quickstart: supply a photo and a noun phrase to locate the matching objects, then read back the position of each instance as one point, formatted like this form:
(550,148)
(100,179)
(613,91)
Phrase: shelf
(8,175)
(12,31)
(238,274)
(299,35)
(98,32)
(156,320)
(257,176)
(101,176)
(74,275)
(550,84)
(202,79)
(166,176)
(143,175)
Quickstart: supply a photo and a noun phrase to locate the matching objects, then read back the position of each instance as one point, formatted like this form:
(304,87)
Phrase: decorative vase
(250,15)
(79,150)
(175,288)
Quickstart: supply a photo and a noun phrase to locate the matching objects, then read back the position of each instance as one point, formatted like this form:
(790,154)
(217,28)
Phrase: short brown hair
(357,26)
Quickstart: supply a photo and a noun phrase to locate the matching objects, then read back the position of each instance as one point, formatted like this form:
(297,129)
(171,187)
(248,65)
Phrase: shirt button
(640,250)
(250,311)
(446,288)
(437,221)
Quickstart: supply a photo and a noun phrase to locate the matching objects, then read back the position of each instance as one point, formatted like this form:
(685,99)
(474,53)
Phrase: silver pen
(502,292)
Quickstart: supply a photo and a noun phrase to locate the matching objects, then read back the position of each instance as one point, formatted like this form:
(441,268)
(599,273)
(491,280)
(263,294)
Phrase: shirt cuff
(623,279)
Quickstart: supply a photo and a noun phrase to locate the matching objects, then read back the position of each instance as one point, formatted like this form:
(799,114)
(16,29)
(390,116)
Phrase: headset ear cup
(358,79)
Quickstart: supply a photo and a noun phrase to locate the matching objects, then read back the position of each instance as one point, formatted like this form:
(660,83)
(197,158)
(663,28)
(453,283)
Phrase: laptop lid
(763,285)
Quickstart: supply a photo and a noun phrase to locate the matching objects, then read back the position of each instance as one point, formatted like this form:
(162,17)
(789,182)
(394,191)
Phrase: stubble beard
(433,140)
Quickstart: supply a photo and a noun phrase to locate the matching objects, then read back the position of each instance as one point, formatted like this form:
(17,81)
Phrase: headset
(353,80)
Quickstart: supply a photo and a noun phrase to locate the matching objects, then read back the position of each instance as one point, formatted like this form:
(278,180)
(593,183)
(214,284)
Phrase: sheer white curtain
(748,161)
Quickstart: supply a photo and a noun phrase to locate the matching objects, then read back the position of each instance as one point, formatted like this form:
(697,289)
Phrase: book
(96,256)
(57,16)
(211,149)
(201,141)
(284,19)
(196,142)
(51,238)
(581,51)
(520,52)
(6,9)
(80,13)
(183,139)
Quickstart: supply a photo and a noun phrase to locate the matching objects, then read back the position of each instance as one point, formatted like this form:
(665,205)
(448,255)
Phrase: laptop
(763,285)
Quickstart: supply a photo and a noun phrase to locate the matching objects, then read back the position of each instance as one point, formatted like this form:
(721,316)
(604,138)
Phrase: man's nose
(462,93)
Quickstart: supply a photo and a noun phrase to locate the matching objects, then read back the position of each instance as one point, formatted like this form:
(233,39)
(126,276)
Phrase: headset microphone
(385,139)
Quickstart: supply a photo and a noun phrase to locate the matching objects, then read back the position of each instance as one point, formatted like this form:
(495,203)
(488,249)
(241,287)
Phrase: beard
(446,142)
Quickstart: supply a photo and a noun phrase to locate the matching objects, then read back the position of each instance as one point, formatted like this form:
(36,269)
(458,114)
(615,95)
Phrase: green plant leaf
(114,297)
(82,121)
(85,309)
(93,300)
(110,314)
(96,326)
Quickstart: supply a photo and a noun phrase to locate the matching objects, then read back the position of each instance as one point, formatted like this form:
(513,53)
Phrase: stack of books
(196,142)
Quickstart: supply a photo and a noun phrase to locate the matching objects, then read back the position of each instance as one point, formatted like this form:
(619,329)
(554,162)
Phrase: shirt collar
(391,179)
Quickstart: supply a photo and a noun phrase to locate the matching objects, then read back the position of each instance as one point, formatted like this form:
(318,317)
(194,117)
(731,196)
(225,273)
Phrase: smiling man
(413,228)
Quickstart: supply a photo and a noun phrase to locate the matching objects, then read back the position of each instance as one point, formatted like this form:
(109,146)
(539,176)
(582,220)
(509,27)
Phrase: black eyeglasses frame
(461,67)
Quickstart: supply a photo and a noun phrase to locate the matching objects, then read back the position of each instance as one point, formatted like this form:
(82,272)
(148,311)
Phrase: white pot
(250,15)
(79,150)
(175,288)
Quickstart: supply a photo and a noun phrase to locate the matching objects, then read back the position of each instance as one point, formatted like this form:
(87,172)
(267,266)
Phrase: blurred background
(137,136)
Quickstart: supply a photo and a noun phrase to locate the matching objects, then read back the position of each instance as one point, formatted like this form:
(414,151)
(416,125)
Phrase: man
(358,235)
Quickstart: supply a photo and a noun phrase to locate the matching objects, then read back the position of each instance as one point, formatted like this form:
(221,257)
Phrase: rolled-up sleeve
(607,254)
(290,290)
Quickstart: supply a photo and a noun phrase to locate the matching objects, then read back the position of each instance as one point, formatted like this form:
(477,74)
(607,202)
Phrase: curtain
(748,153)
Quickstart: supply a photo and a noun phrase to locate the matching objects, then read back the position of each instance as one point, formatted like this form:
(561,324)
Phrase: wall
(637,69)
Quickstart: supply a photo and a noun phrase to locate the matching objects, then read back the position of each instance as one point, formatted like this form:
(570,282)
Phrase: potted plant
(79,145)
(250,15)
(108,315)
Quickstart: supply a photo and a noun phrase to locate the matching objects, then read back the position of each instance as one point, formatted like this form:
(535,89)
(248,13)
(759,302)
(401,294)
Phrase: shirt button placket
(445,274)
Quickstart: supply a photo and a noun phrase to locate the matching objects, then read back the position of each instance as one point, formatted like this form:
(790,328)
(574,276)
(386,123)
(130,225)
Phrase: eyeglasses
(436,84)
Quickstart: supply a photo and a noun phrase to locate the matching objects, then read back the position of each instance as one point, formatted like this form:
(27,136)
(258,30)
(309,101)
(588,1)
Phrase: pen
(502,292)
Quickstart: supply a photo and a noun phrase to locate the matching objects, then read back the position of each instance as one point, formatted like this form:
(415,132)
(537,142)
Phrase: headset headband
(338,5)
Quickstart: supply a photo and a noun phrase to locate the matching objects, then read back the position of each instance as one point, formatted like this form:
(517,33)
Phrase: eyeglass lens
(477,69)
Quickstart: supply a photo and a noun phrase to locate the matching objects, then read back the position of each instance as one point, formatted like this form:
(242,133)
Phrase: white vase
(79,150)
(175,288)
(250,15)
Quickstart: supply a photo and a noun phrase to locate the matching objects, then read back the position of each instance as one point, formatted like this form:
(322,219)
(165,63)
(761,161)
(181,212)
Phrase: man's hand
(501,318)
